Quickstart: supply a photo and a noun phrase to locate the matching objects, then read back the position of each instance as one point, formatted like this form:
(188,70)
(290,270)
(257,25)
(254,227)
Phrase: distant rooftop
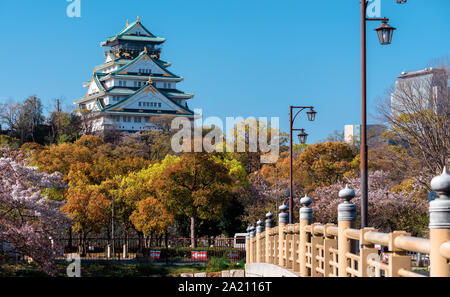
(420,72)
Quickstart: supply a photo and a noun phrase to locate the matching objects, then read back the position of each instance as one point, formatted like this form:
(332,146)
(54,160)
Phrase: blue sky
(239,57)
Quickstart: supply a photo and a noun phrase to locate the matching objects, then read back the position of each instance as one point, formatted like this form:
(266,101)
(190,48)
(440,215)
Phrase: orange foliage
(88,208)
(151,217)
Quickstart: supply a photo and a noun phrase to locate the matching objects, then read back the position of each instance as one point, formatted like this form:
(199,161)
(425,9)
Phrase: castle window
(137,119)
(139,104)
(159,104)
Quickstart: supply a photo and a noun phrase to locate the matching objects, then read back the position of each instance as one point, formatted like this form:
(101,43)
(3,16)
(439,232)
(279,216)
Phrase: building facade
(352,134)
(133,85)
(422,89)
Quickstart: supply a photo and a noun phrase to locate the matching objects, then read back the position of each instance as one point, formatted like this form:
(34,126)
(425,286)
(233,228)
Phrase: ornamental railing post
(252,244)
(346,218)
(439,224)
(247,246)
(306,214)
(283,218)
(259,245)
(269,226)
(366,253)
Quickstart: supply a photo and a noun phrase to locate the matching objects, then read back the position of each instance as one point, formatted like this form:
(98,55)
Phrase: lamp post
(385,33)
(112,226)
(302,138)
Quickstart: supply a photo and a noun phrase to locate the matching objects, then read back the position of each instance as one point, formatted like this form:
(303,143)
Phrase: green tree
(196,186)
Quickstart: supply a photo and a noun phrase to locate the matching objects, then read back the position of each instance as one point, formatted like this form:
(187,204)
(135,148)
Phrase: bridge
(307,249)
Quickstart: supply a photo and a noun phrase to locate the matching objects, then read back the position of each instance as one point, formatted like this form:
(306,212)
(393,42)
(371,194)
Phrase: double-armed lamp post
(302,138)
(384,32)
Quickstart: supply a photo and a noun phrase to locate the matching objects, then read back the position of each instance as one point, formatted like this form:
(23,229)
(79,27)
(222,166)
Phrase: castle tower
(133,84)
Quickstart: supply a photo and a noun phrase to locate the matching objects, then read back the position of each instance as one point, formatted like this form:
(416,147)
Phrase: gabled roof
(138,58)
(124,35)
(132,26)
(142,89)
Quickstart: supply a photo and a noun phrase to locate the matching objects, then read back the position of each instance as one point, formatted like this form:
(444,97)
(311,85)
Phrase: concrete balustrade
(445,250)
(439,224)
(314,249)
(305,220)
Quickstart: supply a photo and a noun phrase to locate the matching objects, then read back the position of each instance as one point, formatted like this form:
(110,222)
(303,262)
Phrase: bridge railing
(329,250)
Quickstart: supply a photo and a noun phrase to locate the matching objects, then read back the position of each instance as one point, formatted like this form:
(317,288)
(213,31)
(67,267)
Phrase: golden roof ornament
(145,49)
(138,19)
(127,23)
(150,79)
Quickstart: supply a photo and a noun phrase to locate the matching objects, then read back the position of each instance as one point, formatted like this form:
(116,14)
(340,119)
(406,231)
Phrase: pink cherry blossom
(28,218)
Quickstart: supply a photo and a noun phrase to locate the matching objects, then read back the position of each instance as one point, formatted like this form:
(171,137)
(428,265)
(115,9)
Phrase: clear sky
(239,57)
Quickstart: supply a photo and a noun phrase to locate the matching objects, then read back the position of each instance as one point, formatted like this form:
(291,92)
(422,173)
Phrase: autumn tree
(245,141)
(196,186)
(8,141)
(87,207)
(317,165)
(323,164)
(151,216)
(61,157)
(86,163)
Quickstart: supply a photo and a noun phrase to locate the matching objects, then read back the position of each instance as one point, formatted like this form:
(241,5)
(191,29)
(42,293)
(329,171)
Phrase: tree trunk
(139,241)
(166,243)
(70,239)
(82,246)
(193,239)
(79,244)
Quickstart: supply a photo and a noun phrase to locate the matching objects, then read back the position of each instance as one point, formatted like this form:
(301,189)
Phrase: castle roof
(145,88)
(128,35)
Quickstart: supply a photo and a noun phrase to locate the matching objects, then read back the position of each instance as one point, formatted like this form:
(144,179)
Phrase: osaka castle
(133,85)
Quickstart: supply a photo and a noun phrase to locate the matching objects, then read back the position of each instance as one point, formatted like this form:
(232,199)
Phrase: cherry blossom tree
(388,210)
(29,220)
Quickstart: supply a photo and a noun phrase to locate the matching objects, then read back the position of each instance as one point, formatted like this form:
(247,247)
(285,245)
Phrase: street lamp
(385,33)
(311,114)
(302,138)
